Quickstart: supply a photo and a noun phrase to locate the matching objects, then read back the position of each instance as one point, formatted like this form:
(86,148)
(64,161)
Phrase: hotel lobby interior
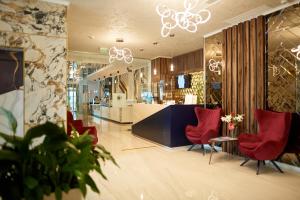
(149,99)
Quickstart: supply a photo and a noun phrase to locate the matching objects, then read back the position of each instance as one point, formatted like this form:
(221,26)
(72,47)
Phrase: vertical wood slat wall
(243,72)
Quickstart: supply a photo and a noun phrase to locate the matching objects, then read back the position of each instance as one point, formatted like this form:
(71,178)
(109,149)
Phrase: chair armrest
(191,128)
(77,123)
(247,137)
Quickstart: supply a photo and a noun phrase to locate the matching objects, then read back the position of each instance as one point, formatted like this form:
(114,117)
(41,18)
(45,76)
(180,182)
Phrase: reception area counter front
(166,126)
(121,115)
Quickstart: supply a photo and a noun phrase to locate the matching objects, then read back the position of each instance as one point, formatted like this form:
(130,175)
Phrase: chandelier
(120,54)
(186,20)
(215,66)
(297,51)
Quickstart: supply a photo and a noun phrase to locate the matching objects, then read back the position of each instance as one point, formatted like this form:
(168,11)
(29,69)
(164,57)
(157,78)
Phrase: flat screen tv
(183,81)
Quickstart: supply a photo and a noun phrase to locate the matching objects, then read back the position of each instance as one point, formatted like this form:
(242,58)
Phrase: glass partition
(213,67)
(283,50)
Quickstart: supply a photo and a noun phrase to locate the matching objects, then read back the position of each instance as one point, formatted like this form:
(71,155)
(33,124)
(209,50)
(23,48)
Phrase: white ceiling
(137,22)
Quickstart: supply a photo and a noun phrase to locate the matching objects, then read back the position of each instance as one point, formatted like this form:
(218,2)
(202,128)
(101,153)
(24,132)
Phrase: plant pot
(73,194)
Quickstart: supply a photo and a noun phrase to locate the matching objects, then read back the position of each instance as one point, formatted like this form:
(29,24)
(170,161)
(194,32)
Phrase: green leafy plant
(46,160)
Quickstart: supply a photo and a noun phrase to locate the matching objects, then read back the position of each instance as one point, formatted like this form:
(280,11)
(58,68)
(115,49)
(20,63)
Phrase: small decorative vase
(231,126)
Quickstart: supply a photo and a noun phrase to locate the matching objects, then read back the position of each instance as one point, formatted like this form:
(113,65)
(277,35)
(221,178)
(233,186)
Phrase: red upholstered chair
(272,137)
(209,121)
(293,144)
(78,125)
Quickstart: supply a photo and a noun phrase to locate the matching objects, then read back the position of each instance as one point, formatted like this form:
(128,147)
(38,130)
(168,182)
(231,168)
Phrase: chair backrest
(210,118)
(293,145)
(70,116)
(273,125)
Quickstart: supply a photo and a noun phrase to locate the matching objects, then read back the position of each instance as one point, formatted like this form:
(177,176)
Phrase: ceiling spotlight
(120,54)
(172,67)
(155,43)
(186,20)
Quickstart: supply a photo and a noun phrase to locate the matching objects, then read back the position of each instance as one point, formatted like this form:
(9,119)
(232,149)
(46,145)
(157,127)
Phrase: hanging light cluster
(186,20)
(120,54)
(297,51)
(215,66)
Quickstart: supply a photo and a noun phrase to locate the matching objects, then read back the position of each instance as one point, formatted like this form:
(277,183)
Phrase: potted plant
(46,160)
(233,120)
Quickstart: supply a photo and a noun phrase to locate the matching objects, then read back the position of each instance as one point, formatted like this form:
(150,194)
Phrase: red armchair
(293,144)
(209,121)
(270,141)
(78,125)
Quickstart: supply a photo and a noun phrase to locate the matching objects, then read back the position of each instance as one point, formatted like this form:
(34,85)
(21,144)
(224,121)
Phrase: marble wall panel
(40,29)
(36,17)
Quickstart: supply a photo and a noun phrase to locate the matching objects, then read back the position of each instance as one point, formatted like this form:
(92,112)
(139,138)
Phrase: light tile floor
(152,172)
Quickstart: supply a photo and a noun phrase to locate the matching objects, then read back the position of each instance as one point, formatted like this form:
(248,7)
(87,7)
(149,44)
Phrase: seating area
(149,99)
(80,128)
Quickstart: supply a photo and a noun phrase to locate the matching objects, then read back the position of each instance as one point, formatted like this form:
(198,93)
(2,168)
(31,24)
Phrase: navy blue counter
(167,126)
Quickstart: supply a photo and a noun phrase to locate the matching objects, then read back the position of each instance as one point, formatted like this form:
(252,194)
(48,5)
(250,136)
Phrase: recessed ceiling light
(119,40)
(91,37)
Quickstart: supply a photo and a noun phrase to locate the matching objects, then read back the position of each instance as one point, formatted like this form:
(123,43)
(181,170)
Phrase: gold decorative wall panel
(197,88)
(283,36)
(213,67)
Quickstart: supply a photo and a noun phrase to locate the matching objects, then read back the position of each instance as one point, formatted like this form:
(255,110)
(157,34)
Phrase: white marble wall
(40,28)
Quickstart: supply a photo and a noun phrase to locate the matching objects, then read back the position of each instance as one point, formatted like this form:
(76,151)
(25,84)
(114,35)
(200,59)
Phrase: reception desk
(117,114)
(166,126)
(142,111)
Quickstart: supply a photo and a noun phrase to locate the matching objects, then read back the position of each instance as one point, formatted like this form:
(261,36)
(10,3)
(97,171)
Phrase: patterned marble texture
(32,27)
(36,17)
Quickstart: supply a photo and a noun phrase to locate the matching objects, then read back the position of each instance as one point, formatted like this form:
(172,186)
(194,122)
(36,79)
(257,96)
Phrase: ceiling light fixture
(215,66)
(186,20)
(172,67)
(120,54)
(297,51)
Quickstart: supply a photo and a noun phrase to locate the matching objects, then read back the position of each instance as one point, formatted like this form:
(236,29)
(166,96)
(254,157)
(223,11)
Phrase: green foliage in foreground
(47,161)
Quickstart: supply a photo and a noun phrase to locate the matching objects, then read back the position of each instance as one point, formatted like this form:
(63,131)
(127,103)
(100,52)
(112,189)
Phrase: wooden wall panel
(253,66)
(246,75)
(261,91)
(240,71)
(243,79)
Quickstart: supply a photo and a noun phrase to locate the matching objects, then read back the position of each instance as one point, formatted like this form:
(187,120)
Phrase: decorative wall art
(12,87)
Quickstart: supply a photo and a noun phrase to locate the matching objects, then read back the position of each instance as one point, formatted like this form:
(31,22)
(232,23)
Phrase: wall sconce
(155,71)
(172,67)
(141,75)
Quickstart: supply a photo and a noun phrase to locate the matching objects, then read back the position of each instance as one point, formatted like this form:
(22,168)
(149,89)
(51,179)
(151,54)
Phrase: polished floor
(152,172)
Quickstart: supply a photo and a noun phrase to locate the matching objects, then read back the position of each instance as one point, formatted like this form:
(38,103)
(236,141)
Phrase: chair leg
(202,146)
(246,160)
(264,162)
(257,168)
(277,167)
(213,148)
(191,147)
(298,157)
